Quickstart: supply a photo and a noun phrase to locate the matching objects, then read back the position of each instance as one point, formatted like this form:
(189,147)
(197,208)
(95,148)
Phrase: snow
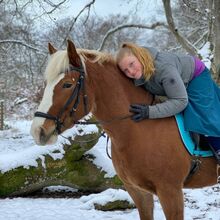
(19,100)
(17,148)
(206,54)
(62,209)
(101,159)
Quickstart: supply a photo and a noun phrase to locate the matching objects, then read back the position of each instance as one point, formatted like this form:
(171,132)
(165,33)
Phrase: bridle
(80,87)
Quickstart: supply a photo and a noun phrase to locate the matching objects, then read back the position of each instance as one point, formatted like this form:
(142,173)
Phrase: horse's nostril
(42,132)
(42,135)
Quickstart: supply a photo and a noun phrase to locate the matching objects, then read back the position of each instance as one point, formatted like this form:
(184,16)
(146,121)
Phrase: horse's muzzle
(43,136)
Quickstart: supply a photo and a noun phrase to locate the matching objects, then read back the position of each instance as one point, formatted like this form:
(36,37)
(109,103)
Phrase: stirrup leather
(218,173)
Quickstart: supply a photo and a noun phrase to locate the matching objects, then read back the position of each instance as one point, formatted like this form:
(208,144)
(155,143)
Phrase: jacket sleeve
(175,90)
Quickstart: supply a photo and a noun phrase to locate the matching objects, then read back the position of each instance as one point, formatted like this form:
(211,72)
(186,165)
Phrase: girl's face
(131,66)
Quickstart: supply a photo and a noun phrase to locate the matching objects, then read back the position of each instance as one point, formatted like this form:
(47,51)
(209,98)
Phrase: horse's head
(64,99)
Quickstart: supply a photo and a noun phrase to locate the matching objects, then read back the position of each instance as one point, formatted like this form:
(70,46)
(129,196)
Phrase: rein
(102,133)
(80,87)
(100,122)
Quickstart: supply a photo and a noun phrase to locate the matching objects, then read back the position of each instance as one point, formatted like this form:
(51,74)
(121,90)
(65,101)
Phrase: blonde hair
(142,55)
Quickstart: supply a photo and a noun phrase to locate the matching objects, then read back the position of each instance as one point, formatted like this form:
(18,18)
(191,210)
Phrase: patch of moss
(117,181)
(55,168)
(19,178)
(116,205)
(79,146)
(85,174)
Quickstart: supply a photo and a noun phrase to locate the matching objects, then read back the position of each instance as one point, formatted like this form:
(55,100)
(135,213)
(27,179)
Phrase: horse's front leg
(143,201)
(171,200)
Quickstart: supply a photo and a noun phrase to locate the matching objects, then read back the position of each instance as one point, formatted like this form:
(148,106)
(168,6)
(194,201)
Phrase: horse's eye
(67,85)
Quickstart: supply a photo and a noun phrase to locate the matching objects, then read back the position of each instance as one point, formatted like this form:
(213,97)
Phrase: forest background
(27,26)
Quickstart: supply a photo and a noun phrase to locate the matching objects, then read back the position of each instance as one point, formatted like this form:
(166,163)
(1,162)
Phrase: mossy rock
(74,169)
(116,205)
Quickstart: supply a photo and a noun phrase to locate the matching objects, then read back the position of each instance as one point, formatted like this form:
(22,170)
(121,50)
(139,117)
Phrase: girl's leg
(214,143)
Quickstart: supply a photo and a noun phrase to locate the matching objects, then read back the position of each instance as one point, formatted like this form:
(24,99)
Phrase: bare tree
(183,41)
(89,34)
(216,34)
(197,24)
(189,25)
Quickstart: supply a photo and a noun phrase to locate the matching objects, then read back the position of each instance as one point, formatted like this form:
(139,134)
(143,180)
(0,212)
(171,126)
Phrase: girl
(186,83)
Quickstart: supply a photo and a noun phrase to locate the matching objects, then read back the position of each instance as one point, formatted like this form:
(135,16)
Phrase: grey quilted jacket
(173,72)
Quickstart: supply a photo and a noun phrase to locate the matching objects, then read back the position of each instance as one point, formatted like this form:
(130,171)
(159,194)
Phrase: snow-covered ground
(17,148)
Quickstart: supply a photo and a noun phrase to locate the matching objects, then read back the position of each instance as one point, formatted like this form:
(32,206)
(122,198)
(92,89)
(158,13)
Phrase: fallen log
(75,169)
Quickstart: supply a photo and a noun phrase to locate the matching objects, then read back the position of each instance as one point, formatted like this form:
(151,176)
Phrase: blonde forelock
(59,61)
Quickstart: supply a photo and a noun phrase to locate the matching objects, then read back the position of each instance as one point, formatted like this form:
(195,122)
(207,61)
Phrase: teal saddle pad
(187,140)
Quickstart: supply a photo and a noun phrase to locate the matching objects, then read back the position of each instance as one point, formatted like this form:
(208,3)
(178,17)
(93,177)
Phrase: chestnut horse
(149,156)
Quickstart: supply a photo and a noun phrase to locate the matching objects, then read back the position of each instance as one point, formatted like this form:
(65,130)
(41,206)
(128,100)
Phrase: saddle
(195,144)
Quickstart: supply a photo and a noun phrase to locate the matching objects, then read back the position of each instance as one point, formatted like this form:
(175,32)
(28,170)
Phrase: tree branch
(204,36)
(194,9)
(113,30)
(23,44)
(88,6)
(55,6)
(183,41)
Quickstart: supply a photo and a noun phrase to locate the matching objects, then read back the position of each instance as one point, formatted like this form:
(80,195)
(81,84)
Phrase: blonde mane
(59,61)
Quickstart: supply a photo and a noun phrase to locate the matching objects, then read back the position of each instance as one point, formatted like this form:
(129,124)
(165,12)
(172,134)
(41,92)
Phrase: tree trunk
(180,39)
(75,170)
(217,38)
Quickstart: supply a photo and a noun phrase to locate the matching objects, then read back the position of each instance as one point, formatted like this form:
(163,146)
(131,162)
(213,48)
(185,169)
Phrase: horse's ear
(51,49)
(74,58)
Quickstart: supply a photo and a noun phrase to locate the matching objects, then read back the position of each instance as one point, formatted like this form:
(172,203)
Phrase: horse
(149,156)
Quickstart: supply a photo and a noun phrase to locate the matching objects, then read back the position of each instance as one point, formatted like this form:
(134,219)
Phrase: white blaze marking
(45,105)
(47,99)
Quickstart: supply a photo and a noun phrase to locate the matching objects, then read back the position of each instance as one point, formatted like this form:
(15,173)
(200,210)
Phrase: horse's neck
(114,93)
(110,97)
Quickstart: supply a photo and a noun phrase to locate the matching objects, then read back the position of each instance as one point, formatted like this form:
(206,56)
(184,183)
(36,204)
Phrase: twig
(113,30)
(88,6)
(23,44)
